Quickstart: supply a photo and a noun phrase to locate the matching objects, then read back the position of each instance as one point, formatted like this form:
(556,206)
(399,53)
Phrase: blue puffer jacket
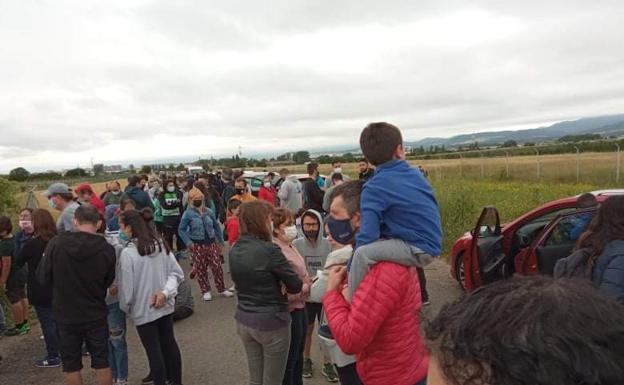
(609,270)
(196,226)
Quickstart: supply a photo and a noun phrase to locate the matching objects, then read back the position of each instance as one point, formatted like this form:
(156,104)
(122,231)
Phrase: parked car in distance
(529,245)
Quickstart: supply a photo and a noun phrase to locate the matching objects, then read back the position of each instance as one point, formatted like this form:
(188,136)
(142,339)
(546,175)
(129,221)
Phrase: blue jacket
(140,197)
(398,202)
(195,226)
(609,270)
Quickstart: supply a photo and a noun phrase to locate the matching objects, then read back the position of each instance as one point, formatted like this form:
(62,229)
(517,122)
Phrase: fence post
(538,164)
(617,165)
(507,164)
(482,167)
(578,164)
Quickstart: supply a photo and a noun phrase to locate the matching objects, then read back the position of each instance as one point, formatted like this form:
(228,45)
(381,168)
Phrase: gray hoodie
(314,254)
(291,194)
(140,277)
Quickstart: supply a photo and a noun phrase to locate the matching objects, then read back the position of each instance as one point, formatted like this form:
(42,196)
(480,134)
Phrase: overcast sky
(124,80)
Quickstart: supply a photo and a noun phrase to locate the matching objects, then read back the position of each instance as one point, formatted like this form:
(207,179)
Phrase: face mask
(311,234)
(267,184)
(240,191)
(123,237)
(290,232)
(171,188)
(25,225)
(340,230)
(197,203)
(338,170)
(115,192)
(52,203)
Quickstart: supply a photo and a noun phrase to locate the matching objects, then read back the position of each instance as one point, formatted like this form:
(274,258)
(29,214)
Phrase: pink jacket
(382,326)
(296,301)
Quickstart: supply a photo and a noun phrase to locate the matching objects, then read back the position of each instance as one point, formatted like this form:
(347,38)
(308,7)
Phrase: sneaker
(307,368)
(227,293)
(329,372)
(15,332)
(426,303)
(148,380)
(48,363)
(232,289)
(120,381)
(25,327)
(207,296)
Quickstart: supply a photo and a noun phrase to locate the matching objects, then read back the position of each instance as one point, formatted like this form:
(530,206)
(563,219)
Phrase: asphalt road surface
(211,350)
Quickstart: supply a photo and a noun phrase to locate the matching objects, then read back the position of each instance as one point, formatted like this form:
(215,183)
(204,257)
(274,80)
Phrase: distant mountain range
(603,125)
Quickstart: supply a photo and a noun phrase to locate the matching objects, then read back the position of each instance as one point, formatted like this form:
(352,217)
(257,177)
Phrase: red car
(528,245)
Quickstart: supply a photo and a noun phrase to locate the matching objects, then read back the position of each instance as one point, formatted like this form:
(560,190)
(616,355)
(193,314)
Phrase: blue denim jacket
(195,226)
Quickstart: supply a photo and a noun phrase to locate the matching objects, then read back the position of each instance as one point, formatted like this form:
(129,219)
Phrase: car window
(569,229)
(544,219)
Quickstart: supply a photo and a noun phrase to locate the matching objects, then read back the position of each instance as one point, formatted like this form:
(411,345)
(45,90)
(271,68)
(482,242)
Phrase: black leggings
(170,229)
(162,350)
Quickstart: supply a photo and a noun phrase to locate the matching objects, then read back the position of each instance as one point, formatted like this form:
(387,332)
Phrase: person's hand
(337,276)
(345,291)
(113,290)
(158,300)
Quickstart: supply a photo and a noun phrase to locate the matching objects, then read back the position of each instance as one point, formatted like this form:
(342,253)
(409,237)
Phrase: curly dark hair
(530,331)
(607,226)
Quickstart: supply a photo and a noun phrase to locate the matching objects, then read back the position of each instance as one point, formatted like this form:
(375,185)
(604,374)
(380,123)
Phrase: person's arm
(217,228)
(175,276)
(612,282)
(282,269)
(183,230)
(44,270)
(372,206)
(125,281)
(22,257)
(355,326)
(6,268)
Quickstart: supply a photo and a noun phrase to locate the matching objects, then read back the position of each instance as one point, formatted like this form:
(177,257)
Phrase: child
(400,220)
(231,223)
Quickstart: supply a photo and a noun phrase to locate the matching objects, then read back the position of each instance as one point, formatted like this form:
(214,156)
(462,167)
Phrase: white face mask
(290,232)
(338,170)
(267,184)
(171,188)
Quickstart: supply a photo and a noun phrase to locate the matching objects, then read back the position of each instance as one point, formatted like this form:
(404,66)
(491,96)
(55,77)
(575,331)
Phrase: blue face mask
(340,230)
(52,203)
(123,237)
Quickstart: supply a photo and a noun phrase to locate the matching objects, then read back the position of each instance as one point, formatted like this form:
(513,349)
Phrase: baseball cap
(57,188)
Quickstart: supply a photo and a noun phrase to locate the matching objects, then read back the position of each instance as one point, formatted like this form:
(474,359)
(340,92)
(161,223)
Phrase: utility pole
(578,164)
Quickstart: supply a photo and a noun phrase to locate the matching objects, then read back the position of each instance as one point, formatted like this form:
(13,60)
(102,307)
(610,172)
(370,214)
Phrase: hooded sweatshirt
(291,194)
(336,257)
(140,197)
(80,267)
(314,253)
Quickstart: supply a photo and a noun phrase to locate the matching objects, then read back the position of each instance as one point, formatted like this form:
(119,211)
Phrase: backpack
(574,266)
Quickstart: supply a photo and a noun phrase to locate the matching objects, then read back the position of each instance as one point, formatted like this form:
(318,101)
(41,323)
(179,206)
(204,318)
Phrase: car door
(486,260)
(557,241)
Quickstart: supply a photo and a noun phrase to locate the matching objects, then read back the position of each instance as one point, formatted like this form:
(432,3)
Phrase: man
(585,201)
(337,180)
(337,169)
(312,193)
(60,198)
(135,192)
(86,195)
(314,248)
(113,197)
(366,172)
(80,267)
(184,303)
(229,190)
(242,192)
(290,192)
(381,325)
(143,182)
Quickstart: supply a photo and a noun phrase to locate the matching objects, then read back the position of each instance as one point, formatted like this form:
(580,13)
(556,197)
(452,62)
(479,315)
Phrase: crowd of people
(331,261)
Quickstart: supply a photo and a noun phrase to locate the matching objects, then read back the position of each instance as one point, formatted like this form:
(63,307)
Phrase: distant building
(113,169)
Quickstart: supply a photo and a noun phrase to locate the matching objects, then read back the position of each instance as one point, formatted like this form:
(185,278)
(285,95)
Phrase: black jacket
(140,197)
(80,267)
(31,254)
(313,196)
(258,269)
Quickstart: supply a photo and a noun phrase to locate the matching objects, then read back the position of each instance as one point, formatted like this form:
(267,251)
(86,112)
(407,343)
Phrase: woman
(26,229)
(604,243)
(201,233)
(260,271)
(148,281)
(40,296)
(172,208)
(284,232)
(268,192)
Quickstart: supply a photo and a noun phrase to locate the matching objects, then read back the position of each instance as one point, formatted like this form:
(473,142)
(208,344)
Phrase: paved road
(211,350)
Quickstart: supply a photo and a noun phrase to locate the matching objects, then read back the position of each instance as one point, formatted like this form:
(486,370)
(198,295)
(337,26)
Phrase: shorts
(93,334)
(15,290)
(314,311)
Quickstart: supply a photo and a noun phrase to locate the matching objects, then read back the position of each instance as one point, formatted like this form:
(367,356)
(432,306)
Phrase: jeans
(294,365)
(348,375)
(163,353)
(267,353)
(48,327)
(117,346)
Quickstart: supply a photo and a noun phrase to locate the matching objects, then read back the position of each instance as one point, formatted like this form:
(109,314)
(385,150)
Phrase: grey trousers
(267,354)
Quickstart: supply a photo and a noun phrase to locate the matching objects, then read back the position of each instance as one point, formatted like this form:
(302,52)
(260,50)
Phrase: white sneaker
(207,296)
(232,289)
(227,293)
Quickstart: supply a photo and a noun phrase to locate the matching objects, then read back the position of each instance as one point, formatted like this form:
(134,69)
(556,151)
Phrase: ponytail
(143,233)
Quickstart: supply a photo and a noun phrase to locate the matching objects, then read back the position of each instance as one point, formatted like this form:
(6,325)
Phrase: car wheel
(460,272)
